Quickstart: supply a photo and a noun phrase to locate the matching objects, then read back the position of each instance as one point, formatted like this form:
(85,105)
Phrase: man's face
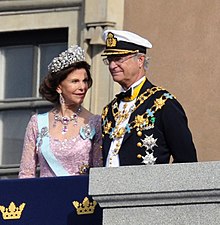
(125,70)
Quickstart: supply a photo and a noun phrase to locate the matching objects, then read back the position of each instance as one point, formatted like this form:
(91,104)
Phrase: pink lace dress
(76,155)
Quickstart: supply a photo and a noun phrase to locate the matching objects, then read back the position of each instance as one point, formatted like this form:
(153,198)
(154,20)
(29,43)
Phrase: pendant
(65,129)
(65,121)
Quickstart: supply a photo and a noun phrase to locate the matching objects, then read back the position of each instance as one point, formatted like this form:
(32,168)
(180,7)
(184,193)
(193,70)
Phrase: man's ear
(141,60)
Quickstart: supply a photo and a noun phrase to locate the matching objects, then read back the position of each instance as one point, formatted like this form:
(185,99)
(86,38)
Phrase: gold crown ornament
(12,212)
(86,207)
(111,41)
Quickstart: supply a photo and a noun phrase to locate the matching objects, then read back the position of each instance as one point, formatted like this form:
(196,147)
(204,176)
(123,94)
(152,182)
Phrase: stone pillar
(174,194)
(100,15)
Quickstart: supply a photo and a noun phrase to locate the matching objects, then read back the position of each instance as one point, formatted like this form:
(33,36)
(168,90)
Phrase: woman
(66,140)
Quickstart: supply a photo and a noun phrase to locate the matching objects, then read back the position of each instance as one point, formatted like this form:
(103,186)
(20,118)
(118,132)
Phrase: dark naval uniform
(157,129)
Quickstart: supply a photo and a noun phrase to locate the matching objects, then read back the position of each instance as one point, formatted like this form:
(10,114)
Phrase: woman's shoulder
(95,120)
(95,117)
(90,117)
(33,118)
(36,117)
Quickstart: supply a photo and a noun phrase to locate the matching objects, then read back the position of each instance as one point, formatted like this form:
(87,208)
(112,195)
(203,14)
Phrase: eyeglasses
(117,59)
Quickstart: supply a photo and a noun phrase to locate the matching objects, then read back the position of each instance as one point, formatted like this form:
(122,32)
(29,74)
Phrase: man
(144,124)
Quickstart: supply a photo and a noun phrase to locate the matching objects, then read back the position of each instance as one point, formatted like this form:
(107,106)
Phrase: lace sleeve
(97,153)
(29,156)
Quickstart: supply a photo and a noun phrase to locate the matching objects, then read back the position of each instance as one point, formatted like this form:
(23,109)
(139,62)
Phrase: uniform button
(139,133)
(139,156)
(139,144)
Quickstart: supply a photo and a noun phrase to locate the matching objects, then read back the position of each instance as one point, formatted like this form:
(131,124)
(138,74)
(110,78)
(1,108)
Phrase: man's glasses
(117,59)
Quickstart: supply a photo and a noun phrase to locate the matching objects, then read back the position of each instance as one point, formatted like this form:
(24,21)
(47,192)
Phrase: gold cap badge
(110,40)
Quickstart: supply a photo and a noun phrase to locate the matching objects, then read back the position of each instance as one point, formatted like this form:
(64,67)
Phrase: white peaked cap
(124,42)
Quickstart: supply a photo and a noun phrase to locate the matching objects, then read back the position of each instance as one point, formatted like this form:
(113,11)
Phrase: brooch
(44,132)
(84,169)
(87,132)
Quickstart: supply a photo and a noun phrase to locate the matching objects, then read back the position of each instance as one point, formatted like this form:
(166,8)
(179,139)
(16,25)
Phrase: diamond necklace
(65,120)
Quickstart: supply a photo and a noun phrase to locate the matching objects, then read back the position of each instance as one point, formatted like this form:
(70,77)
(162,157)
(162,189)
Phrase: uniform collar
(136,87)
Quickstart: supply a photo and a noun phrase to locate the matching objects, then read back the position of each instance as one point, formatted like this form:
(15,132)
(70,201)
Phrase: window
(24,56)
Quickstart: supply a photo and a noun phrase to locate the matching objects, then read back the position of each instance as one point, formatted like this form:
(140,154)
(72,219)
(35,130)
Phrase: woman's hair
(50,83)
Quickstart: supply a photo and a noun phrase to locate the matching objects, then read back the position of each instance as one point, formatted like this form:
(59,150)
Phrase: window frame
(34,103)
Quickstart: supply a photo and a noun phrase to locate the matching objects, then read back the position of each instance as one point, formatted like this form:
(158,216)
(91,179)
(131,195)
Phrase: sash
(43,138)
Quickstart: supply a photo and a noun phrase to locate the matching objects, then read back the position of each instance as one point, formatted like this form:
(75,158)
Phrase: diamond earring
(62,101)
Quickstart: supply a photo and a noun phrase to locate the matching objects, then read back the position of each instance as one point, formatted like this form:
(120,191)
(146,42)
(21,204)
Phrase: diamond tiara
(67,58)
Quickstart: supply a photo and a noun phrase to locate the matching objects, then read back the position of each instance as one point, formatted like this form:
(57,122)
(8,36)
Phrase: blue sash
(43,139)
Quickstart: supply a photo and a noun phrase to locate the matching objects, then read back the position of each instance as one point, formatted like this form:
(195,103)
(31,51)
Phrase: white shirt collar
(134,84)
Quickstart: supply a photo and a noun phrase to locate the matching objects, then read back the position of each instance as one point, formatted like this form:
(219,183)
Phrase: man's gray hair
(146,60)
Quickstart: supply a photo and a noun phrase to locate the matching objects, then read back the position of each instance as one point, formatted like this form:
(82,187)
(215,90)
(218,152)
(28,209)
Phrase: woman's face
(74,87)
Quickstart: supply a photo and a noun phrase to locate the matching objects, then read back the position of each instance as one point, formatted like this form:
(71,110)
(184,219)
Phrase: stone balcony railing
(174,194)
